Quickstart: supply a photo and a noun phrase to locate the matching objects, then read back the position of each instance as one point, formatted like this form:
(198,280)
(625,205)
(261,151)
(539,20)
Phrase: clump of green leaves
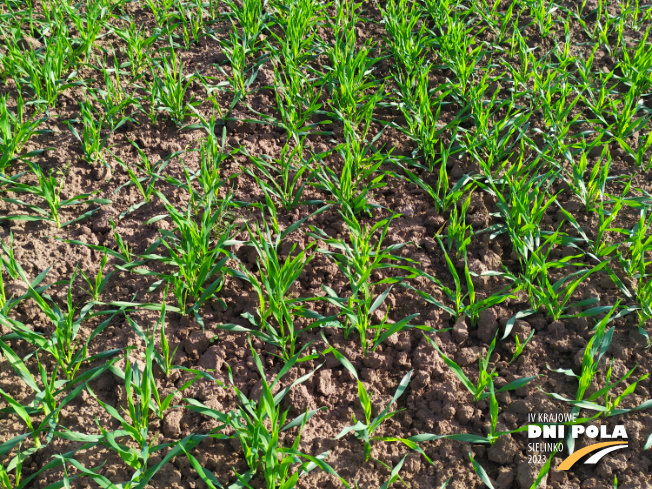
(284,177)
(49,189)
(463,298)
(277,309)
(587,395)
(15,131)
(364,429)
(483,388)
(358,258)
(359,176)
(196,252)
(93,143)
(169,88)
(258,424)
(46,71)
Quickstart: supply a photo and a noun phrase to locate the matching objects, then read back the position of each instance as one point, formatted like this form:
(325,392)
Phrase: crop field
(325,244)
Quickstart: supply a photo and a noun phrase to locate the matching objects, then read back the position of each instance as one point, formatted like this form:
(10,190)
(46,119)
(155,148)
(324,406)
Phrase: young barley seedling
(126,254)
(163,359)
(590,190)
(93,122)
(137,45)
(364,429)
(634,257)
(458,50)
(359,175)
(192,21)
(555,296)
(213,152)
(46,401)
(421,108)
(629,117)
(542,12)
(284,177)
(15,131)
(409,34)
(88,24)
(297,92)
(112,97)
(195,253)
(151,173)
(354,91)
(13,270)
(249,21)
(443,195)
(48,189)
(277,309)
(161,10)
(274,286)
(169,89)
(520,346)
(484,385)
(258,424)
(139,388)
(636,67)
(236,56)
(458,232)
(464,302)
(97,284)
(591,363)
(46,406)
(597,248)
(47,71)
(297,102)
(522,208)
(358,258)
(65,344)
(497,141)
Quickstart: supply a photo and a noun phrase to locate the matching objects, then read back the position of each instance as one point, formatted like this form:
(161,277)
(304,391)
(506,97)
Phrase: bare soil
(435,402)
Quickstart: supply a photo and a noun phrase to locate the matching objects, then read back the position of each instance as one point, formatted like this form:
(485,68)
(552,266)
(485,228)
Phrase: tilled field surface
(403,228)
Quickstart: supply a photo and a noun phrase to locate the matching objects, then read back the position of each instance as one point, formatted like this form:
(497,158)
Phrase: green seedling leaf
(481,472)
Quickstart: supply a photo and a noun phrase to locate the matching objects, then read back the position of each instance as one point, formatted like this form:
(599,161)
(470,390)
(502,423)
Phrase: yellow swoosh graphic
(575,456)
